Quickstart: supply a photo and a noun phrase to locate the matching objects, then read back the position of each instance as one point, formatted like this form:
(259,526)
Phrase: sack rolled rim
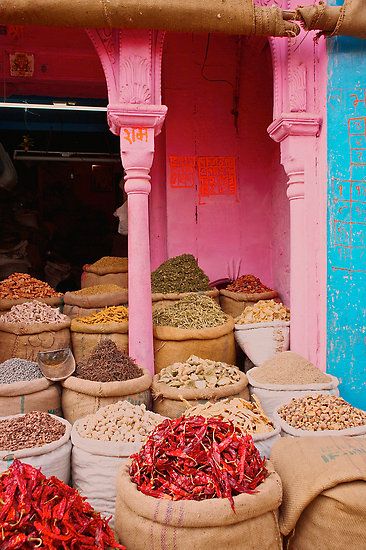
(37,451)
(7,303)
(161,389)
(109,389)
(199,514)
(99,328)
(160,296)
(24,387)
(33,328)
(331,385)
(246,297)
(106,299)
(178,334)
(265,324)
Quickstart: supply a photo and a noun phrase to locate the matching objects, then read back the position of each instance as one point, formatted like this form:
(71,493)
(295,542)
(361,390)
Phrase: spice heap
(289,368)
(33,312)
(107,363)
(113,314)
(196,459)
(199,373)
(264,311)
(33,429)
(106,262)
(40,512)
(119,422)
(195,311)
(248,417)
(17,370)
(321,412)
(98,289)
(179,274)
(22,285)
(248,284)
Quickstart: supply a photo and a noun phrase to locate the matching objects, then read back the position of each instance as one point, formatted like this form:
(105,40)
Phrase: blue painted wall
(347,216)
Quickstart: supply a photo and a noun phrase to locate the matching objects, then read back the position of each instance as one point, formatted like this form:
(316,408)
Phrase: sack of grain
(85,337)
(234,303)
(25,340)
(6,304)
(172,402)
(81,397)
(31,395)
(166,300)
(324,492)
(143,522)
(52,458)
(78,304)
(288,375)
(261,341)
(173,344)
(109,270)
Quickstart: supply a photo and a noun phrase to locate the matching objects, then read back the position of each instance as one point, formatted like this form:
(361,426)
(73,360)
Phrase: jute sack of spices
(30,395)
(172,402)
(174,345)
(234,303)
(324,492)
(166,300)
(85,337)
(6,304)
(79,305)
(81,397)
(25,340)
(106,271)
(52,458)
(143,522)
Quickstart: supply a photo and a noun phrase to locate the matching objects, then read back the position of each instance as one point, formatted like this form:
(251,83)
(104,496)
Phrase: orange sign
(216,176)
(135,134)
(182,172)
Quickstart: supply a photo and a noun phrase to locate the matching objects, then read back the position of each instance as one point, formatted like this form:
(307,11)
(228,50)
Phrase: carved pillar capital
(127,115)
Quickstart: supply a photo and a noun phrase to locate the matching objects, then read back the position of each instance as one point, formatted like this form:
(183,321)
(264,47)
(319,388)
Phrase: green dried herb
(179,274)
(195,311)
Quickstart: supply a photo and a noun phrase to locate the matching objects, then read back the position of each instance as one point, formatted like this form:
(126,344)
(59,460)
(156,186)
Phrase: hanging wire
(204,66)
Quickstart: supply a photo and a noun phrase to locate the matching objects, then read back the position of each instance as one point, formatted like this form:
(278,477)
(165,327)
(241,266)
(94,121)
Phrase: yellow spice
(110,261)
(98,289)
(117,314)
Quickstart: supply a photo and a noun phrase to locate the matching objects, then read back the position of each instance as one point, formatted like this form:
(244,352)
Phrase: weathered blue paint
(346,128)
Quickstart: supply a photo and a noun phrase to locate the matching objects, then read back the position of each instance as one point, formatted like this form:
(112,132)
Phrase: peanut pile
(33,312)
(248,284)
(33,429)
(199,374)
(120,422)
(321,412)
(264,311)
(21,285)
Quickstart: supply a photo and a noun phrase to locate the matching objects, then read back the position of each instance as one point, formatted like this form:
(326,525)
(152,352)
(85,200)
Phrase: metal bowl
(56,364)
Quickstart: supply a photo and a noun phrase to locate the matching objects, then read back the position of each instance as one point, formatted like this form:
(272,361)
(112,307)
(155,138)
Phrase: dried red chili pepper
(37,512)
(196,458)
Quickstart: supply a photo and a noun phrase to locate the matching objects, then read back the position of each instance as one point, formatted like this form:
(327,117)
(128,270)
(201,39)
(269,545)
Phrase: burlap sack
(53,459)
(111,275)
(324,492)
(85,337)
(165,300)
(26,340)
(143,522)
(348,19)
(81,397)
(6,304)
(234,303)
(168,401)
(173,345)
(77,305)
(32,395)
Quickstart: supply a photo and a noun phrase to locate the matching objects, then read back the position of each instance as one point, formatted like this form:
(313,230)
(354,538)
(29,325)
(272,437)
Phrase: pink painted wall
(230,235)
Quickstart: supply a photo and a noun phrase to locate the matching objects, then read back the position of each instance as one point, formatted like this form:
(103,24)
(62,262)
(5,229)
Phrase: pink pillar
(297,134)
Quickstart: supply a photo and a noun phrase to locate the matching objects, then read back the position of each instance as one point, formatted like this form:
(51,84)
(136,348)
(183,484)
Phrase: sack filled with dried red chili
(197,458)
(41,512)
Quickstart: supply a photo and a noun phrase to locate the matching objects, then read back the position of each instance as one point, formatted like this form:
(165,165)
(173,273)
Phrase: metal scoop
(57,364)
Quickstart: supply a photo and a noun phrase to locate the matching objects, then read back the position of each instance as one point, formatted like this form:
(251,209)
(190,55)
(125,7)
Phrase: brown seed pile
(33,429)
(33,312)
(321,412)
(22,285)
(110,261)
(289,368)
(107,363)
(248,284)
(98,289)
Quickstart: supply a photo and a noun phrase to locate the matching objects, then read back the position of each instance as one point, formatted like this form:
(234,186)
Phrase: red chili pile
(248,284)
(40,512)
(196,458)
